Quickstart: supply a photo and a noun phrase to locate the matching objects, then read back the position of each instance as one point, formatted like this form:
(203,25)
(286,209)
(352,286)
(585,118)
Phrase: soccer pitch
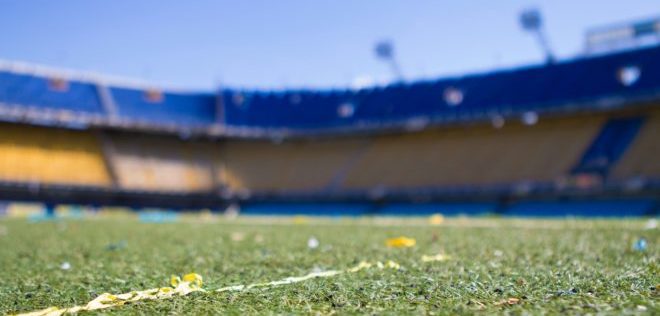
(493,265)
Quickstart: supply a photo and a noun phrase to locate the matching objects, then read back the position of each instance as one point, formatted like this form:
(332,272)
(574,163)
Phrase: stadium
(531,189)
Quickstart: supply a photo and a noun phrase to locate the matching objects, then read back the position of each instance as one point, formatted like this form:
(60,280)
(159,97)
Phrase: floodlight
(531,21)
(385,50)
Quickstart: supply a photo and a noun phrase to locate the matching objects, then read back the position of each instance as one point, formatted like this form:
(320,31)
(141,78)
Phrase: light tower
(531,21)
(385,50)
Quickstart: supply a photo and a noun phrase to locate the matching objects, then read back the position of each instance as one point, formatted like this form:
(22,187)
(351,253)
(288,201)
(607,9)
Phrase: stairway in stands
(608,146)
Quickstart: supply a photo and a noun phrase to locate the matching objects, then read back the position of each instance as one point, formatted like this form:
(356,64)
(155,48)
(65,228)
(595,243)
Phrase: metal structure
(531,21)
(623,36)
(385,50)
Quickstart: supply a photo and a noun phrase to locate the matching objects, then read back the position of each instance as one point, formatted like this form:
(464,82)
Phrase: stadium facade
(574,137)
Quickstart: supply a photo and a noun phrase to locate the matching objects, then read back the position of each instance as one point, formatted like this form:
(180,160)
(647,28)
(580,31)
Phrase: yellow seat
(44,155)
(161,163)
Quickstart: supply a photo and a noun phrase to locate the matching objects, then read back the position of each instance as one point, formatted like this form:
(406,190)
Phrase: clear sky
(275,44)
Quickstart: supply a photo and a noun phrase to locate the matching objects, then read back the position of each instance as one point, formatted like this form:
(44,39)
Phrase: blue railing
(610,144)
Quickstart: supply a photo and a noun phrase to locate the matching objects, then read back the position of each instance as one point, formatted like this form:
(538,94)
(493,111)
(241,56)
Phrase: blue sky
(276,44)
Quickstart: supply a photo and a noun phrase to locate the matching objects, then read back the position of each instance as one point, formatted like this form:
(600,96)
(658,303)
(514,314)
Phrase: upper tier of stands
(158,107)
(584,83)
(597,81)
(49,93)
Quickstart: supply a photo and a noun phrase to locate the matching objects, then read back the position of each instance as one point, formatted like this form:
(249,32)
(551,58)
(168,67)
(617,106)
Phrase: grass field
(555,266)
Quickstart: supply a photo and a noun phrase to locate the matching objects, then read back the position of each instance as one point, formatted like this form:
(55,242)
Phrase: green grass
(558,266)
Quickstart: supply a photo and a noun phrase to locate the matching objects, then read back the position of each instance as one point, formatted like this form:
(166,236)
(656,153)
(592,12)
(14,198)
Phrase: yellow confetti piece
(193,279)
(436,219)
(438,257)
(400,242)
(300,220)
(175,280)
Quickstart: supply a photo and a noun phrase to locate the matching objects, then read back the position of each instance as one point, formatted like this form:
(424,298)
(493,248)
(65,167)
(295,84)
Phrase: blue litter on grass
(41,217)
(640,245)
(158,217)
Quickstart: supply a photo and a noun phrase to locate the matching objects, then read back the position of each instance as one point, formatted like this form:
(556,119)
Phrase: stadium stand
(606,149)
(150,163)
(157,107)
(49,93)
(472,144)
(597,82)
(474,155)
(643,157)
(289,166)
(45,155)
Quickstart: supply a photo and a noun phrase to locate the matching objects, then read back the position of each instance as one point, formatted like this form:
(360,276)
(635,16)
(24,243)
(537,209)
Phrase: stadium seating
(289,166)
(544,129)
(150,163)
(474,155)
(157,107)
(643,157)
(49,93)
(51,156)
(590,80)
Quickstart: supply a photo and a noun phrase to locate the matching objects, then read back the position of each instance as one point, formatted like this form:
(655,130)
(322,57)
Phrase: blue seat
(531,88)
(190,109)
(610,144)
(49,93)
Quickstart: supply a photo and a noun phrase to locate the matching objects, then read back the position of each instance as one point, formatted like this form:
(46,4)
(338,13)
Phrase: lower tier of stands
(642,160)
(291,166)
(457,159)
(149,163)
(474,155)
(42,155)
